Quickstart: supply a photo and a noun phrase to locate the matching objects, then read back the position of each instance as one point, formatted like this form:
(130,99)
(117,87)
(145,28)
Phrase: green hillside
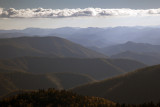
(136,87)
(44,46)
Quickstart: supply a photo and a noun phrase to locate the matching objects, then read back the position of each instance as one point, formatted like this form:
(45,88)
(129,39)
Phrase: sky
(61,4)
(21,14)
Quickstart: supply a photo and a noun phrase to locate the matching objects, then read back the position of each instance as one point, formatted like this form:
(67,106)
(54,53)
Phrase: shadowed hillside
(60,73)
(61,98)
(18,80)
(136,87)
(11,81)
(97,68)
(44,46)
(68,80)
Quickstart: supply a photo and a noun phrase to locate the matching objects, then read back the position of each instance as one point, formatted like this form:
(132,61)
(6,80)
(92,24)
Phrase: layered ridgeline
(136,87)
(97,37)
(98,68)
(146,58)
(44,46)
(142,52)
(12,34)
(47,66)
(59,73)
(131,46)
(58,47)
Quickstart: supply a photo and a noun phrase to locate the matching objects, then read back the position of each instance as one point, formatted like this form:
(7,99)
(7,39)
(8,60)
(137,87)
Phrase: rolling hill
(136,87)
(146,58)
(60,73)
(131,46)
(143,52)
(99,68)
(11,81)
(44,46)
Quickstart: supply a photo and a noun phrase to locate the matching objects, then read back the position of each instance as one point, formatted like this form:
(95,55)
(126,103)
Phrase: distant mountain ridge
(146,58)
(131,46)
(98,37)
(142,52)
(13,35)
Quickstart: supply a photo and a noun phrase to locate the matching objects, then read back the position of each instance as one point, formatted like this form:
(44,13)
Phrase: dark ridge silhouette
(136,87)
(56,98)
(61,98)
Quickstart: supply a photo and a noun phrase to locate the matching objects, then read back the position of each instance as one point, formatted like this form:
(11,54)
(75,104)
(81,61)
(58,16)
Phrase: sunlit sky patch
(22,23)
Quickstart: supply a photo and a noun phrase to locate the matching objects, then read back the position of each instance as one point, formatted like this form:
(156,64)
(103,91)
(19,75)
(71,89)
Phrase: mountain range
(131,46)
(97,37)
(143,52)
(146,58)
(103,62)
(54,62)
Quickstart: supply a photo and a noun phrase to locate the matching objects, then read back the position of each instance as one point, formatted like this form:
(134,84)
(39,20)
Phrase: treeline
(54,98)
(62,98)
(149,104)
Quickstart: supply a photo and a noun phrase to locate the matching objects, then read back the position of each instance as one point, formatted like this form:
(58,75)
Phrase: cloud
(91,12)
(1,10)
